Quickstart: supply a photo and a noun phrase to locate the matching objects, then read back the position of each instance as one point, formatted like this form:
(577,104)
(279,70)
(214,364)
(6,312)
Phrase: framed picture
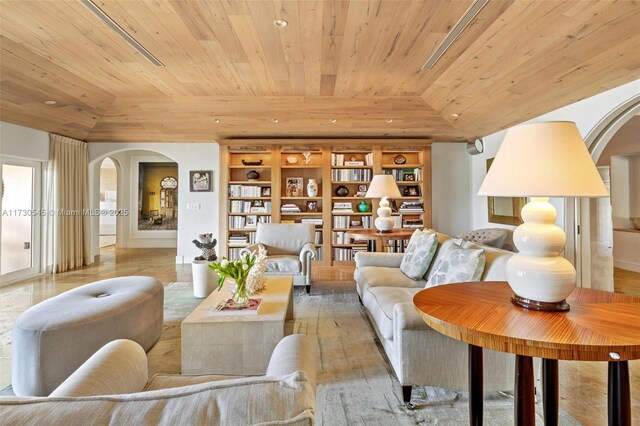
(411,191)
(312,206)
(257,203)
(265,191)
(201,180)
(409,177)
(294,187)
(362,188)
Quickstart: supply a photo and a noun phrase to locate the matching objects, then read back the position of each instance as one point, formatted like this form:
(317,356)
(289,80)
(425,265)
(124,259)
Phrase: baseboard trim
(626,265)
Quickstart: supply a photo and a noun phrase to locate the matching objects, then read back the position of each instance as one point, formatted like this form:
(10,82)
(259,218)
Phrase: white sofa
(418,354)
(111,388)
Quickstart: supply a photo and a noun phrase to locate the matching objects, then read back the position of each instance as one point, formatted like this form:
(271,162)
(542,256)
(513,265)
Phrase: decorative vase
(363,207)
(342,191)
(312,188)
(253,175)
(239,294)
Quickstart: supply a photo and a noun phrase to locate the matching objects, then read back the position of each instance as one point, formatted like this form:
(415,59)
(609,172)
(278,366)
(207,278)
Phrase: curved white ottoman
(53,338)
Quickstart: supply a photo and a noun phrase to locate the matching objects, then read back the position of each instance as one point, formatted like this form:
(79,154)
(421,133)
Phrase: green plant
(238,270)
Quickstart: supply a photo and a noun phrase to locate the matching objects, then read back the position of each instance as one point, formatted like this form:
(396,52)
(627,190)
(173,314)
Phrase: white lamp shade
(383,186)
(543,160)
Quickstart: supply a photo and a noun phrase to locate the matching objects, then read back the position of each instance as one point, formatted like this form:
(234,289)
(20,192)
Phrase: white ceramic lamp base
(384,221)
(539,277)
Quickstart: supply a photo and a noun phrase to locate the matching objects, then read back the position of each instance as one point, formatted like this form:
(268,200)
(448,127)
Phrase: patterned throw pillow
(417,257)
(457,264)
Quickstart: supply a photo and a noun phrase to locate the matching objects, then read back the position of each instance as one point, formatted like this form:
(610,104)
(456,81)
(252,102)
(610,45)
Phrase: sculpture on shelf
(307,157)
(207,244)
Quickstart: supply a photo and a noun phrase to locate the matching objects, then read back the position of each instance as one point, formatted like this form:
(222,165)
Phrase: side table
(398,236)
(600,326)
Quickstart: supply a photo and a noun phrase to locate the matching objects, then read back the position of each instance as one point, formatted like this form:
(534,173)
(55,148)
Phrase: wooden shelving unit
(282,162)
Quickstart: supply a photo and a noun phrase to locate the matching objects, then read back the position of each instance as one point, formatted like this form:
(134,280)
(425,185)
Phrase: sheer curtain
(68,236)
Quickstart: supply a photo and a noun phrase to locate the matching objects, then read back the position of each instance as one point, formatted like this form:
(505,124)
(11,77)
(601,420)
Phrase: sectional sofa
(418,354)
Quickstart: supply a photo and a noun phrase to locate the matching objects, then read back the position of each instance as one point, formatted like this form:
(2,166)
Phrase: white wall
(451,183)
(191,222)
(23,142)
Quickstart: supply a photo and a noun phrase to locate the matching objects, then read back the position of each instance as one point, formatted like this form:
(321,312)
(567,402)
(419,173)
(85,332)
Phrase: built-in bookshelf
(342,174)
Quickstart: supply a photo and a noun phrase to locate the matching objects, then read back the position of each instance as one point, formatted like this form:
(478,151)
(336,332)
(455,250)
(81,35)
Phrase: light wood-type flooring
(583,389)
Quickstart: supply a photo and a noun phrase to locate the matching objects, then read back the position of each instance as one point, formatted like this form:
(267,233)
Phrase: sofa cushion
(166,381)
(283,264)
(418,255)
(287,399)
(457,264)
(378,276)
(495,268)
(380,302)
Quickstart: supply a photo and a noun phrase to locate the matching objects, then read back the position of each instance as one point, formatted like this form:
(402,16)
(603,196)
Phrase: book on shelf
(412,222)
(228,307)
(354,163)
(412,207)
(289,208)
(351,175)
(317,221)
(343,206)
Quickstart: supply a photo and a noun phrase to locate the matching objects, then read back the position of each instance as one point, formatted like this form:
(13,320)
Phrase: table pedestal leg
(475,385)
(524,399)
(619,394)
(550,391)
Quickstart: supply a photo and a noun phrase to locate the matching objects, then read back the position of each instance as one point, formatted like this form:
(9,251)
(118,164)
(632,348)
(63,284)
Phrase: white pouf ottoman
(53,338)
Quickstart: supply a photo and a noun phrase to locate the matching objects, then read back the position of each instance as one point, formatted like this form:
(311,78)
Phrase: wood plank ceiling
(358,62)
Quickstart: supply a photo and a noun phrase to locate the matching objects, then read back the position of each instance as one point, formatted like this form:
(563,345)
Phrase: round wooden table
(600,326)
(373,236)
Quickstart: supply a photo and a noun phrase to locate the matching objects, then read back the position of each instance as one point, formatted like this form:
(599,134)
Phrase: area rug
(355,384)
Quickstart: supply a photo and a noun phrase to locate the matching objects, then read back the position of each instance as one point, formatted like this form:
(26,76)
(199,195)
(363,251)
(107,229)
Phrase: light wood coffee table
(236,344)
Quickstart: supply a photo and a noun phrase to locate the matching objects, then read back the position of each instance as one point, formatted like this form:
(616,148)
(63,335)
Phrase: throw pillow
(417,257)
(457,264)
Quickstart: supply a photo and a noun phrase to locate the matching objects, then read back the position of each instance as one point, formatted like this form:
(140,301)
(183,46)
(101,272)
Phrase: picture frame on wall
(201,180)
(293,187)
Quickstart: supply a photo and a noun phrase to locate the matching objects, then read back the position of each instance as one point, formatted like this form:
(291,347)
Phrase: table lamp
(542,160)
(383,186)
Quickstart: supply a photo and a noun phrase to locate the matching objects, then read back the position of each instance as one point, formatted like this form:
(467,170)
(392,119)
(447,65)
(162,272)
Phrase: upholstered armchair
(290,250)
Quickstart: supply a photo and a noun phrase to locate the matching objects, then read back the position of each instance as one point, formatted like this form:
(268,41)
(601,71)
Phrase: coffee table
(600,326)
(236,344)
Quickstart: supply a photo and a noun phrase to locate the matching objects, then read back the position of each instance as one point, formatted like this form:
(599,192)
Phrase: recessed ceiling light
(275,120)
(389,120)
(50,102)
(333,121)
(216,120)
(280,23)
(455,115)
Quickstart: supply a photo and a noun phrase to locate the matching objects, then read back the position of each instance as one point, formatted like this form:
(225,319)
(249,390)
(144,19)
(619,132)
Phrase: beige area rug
(355,383)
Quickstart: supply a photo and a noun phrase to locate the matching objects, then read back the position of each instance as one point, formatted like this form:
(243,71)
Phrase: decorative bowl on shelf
(636,222)
(252,163)
(400,159)
(253,175)
(342,191)
(292,160)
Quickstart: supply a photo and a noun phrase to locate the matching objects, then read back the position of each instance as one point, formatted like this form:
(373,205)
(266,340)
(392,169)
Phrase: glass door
(20,220)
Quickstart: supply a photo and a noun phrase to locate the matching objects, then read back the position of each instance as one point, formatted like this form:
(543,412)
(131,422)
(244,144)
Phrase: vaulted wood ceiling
(357,61)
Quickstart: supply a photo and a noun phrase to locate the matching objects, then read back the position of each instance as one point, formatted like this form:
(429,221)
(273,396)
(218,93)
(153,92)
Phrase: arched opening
(610,247)
(108,203)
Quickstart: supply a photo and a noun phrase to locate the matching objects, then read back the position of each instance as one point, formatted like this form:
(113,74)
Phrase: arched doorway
(108,203)
(596,217)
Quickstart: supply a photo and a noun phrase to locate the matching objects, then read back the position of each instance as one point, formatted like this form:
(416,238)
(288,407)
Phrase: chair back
(285,238)
(492,237)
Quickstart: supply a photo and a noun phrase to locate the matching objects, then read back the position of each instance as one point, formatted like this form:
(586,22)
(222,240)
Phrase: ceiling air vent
(455,32)
(121,32)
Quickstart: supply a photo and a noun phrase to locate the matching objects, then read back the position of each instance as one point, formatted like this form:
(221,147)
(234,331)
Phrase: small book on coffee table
(228,307)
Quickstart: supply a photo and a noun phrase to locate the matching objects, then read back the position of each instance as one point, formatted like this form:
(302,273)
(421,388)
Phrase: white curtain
(68,235)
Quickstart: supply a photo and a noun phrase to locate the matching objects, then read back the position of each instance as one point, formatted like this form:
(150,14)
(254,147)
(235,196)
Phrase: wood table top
(373,234)
(481,313)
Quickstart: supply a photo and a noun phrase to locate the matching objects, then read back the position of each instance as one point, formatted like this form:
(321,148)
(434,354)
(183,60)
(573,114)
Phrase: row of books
(352,222)
(399,174)
(339,160)
(256,206)
(345,254)
(250,221)
(351,175)
(412,207)
(317,221)
(340,237)
(245,191)
(289,208)
(241,239)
